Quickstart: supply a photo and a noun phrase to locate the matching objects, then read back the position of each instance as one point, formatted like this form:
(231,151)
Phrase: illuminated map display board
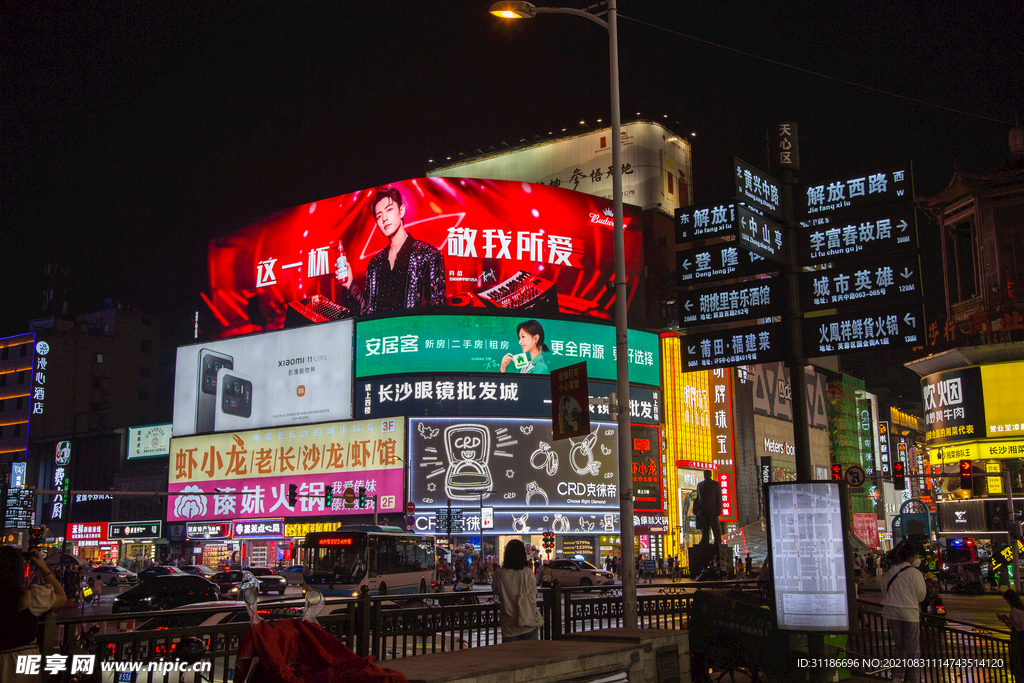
(808,547)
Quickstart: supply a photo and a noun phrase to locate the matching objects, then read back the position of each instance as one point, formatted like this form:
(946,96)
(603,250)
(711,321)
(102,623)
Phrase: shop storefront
(90,542)
(138,540)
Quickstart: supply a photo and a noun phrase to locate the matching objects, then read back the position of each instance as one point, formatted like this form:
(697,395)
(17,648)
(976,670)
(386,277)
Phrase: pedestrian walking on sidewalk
(903,589)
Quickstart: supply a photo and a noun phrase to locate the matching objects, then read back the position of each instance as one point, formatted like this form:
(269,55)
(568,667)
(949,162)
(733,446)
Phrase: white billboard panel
(657,170)
(274,379)
(149,441)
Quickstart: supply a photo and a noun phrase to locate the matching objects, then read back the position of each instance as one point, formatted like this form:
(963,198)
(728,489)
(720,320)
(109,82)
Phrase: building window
(143,395)
(143,372)
(94,406)
(17,429)
(3,404)
(96,382)
(19,404)
(5,354)
(147,346)
(24,350)
(99,357)
(21,377)
(3,380)
(1,432)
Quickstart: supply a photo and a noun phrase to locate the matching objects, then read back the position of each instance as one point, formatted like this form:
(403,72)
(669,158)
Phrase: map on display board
(809,547)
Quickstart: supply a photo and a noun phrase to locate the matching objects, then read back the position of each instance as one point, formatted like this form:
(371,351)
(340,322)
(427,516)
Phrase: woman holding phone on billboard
(532,360)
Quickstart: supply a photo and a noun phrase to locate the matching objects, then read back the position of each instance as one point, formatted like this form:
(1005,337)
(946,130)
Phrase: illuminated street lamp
(514,9)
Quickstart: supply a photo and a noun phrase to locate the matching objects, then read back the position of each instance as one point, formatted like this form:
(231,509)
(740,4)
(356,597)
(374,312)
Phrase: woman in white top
(512,580)
(20,609)
(903,589)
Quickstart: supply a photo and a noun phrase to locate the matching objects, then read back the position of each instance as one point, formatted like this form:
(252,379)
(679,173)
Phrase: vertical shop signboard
(723,444)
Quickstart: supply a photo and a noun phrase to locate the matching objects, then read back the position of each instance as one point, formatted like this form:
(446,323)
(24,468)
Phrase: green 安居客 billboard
(473,343)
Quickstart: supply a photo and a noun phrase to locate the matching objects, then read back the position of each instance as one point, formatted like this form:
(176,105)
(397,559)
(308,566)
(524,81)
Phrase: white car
(109,575)
(577,573)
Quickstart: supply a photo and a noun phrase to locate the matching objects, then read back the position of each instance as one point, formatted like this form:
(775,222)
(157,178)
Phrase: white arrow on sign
(691,350)
(902,225)
(688,305)
(686,264)
(907,273)
(910,320)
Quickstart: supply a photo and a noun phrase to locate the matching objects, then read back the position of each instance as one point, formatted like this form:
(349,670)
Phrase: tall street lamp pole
(526,10)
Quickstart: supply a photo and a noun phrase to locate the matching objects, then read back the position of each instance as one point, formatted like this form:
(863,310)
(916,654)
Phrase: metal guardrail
(451,621)
(942,640)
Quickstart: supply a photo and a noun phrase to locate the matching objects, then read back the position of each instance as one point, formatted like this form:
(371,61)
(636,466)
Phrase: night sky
(133,133)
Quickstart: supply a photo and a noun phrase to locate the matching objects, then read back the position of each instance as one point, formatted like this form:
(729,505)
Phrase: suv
(577,573)
(165,592)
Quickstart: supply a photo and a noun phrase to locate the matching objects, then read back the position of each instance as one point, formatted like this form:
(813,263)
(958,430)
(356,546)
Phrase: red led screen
(476,244)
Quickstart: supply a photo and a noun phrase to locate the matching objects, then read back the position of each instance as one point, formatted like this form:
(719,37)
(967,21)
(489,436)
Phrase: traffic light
(549,542)
(328,497)
(293,495)
(899,481)
(966,480)
(362,497)
(837,472)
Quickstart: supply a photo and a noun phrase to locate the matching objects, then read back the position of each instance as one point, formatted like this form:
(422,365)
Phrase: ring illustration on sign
(584,447)
(469,449)
(548,460)
(533,490)
(561,524)
(519,523)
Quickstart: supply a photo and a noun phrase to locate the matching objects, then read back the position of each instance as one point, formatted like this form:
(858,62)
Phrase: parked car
(162,592)
(199,570)
(156,570)
(578,573)
(295,575)
(108,575)
(270,580)
(227,582)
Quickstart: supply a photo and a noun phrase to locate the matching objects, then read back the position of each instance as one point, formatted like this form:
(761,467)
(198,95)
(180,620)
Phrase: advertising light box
(498,344)
(466,243)
(487,396)
(563,522)
(151,441)
(808,548)
(510,464)
(277,379)
(1004,400)
(249,472)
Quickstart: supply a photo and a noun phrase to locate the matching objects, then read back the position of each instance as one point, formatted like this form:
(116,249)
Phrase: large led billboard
(423,243)
(974,403)
(246,474)
(500,345)
(277,379)
(487,396)
(513,466)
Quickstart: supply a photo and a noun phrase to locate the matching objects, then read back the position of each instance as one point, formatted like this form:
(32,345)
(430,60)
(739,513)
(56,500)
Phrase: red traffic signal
(837,472)
(899,481)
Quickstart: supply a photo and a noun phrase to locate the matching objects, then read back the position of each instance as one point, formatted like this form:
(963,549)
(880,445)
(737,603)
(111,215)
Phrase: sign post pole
(1013,520)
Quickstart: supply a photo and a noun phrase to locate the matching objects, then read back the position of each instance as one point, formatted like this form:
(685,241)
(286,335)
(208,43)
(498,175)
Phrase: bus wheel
(382,589)
(423,586)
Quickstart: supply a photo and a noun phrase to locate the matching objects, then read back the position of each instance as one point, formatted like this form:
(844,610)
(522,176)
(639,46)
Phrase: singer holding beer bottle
(407,273)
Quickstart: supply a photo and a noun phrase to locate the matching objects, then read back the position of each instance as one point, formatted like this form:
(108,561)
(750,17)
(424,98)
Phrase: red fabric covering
(294,651)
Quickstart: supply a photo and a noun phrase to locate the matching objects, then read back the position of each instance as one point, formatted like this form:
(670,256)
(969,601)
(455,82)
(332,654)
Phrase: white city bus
(387,560)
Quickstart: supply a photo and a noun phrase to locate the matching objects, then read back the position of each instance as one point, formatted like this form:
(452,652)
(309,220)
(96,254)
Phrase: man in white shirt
(903,589)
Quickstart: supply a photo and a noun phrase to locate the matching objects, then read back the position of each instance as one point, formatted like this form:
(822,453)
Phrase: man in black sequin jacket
(406,274)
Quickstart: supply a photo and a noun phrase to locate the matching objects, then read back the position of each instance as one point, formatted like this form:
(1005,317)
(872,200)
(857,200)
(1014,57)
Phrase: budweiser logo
(603,220)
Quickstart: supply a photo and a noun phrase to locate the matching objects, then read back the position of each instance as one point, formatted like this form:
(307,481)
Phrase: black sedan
(270,581)
(227,582)
(166,592)
(156,570)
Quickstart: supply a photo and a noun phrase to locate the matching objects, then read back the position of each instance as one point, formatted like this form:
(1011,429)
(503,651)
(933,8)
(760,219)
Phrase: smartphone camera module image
(210,364)
(234,400)
(237,396)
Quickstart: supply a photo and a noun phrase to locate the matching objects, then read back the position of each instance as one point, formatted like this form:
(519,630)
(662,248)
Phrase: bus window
(374,567)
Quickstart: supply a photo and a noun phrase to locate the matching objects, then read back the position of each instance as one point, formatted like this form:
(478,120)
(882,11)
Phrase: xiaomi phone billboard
(428,243)
(275,379)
